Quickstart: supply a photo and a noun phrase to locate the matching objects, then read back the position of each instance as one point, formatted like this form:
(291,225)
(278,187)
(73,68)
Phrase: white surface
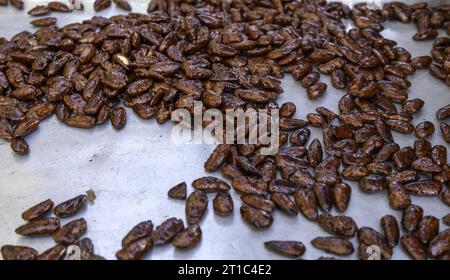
(131,171)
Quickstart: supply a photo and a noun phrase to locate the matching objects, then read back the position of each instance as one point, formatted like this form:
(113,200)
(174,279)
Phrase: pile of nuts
(66,235)
(230,55)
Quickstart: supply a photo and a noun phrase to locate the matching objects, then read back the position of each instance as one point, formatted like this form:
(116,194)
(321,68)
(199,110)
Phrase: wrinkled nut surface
(135,250)
(287,248)
(12,253)
(39,227)
(165,232)
(255,217)
(188,237)
(139,231)
(223,204)
(334,245)
(70,207)
(38,210)
(55,253)
(196,205)
(70,232)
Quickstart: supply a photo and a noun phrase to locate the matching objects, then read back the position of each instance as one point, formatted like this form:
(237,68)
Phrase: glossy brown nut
(423,188)
(422,148)
(386,152)
(428,229)
(369,236)
(42,22)
(292,249)
(390,229)
(446,219)
(38,210)
(300,137)
(403,158)
(445,131)
(223,204)
(100,5)
(39,11)
(196,205)
(338,79)
(165,232)
(256,218)
(334,245)
(412,215)
(354,172)
(315,119)
(379,168)
(135,250)
(287,110)
(39,227)
(317,90)
(439,155)
(217,158)
(70,232)
(440,244)
(210,184)
(123,4)
(343,226)
(118,117)
(59,7)
(421,62)
(341,194)
(81,121)
(443,113)
(141,230)
(398,197)
(284,203)
(310,79)
(425,164)
(323,196)
(258,202)
(424,129)
(11,253)
(54,253)
(26,127)
(20,146)
(412,245)
(188,237)
(70,207)
(178,191)
(412,106)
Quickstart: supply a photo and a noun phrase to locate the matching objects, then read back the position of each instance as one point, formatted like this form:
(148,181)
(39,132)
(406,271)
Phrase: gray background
(132,169)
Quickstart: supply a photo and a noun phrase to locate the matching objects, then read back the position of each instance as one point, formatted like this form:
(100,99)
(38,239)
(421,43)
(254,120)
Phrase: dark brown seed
(306,202)
(412,215)
(70,232)
(354,172)
(26,127)
(217,158)
(341,194)
(210,184)
(284,203)
(411,244)
(391,230)
(424,129)
(369,236)
(44,21)
(310,80)
(323,196)
(38,210)
(340,225)
(223,204)
(421,62)
(446,220)
(439,155)
(379,168)
(300,137)
(123,4)
(178,191)
(399,199)
(39,11)
(70,207)
(165,232)
(386,152)
(428,229)
(440,244)
(100,5)
(256,218)
(135,250)
(81,121)
(413,105)
(316,90)
(445,131)
(54,253)
(258,202)
(292,249)
(403,158)
(315,152)
(315,120)
(423,188)
(287,110)
(445,196)
(39,227)
(443,113)
(19,146)
(422,148)
(59,7)
(188,237)
(196,205)
(334,245)
(16,253)
(141,230)
(86,248)
(118,117)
